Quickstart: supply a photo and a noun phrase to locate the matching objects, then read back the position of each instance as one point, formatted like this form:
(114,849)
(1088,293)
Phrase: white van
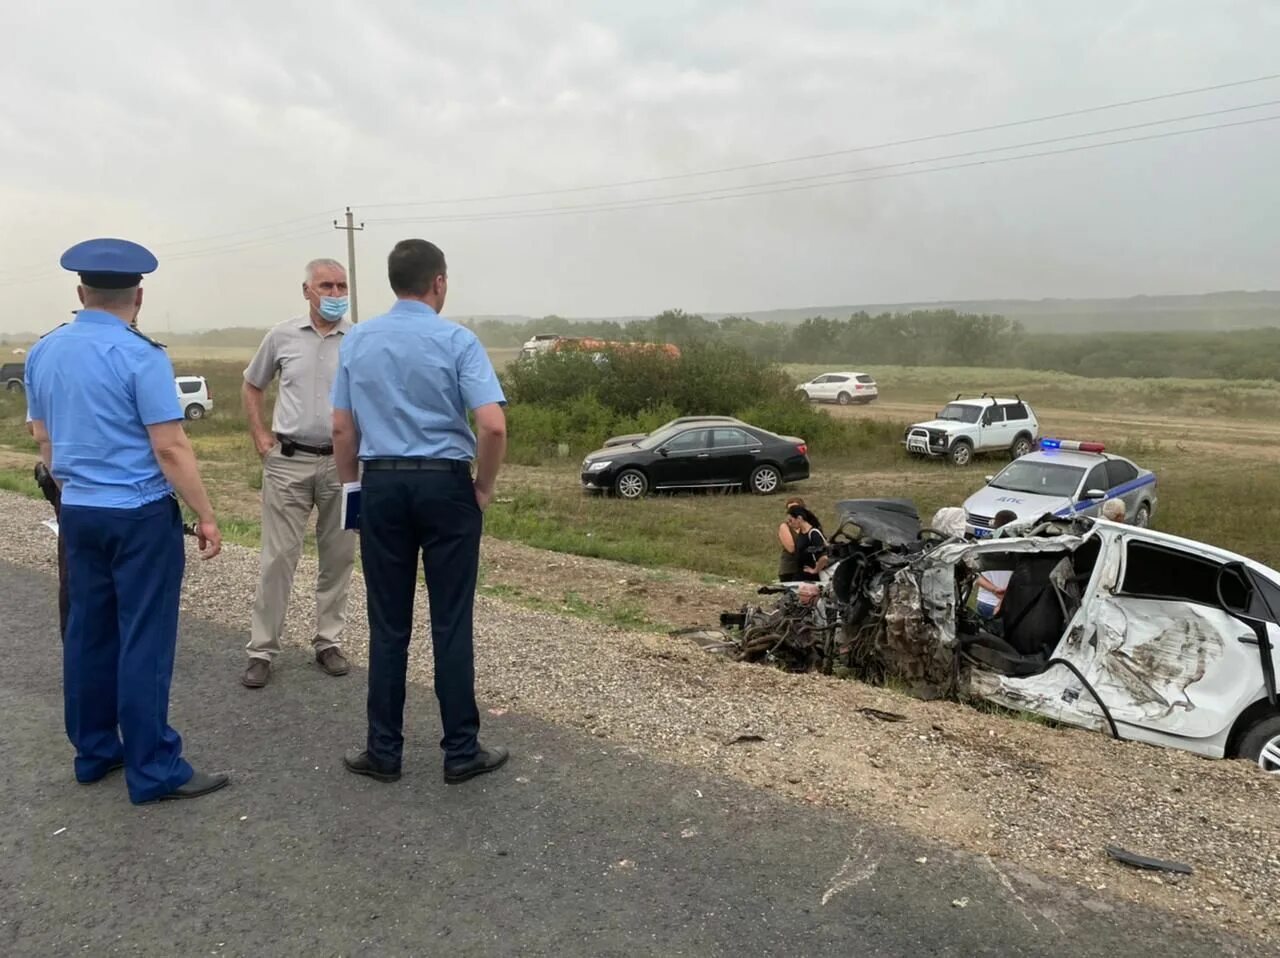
(194,395)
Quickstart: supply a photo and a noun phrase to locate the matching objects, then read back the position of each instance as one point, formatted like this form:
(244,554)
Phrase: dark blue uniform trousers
(401,514)
(124,568)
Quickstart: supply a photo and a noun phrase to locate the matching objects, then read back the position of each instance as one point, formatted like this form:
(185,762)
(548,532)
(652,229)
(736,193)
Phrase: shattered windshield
(960,412)
(1039,478)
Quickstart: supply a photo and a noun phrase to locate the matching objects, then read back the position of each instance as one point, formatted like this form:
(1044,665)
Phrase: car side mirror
(1093,494)
(989,479)
(662,451)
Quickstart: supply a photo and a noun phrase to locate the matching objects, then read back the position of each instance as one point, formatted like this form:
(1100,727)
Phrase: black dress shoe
(486,760)
(200,783)
(357,760)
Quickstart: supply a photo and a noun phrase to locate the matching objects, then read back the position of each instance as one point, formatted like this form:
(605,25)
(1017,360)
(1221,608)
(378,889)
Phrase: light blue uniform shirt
(97,385)
(408,378)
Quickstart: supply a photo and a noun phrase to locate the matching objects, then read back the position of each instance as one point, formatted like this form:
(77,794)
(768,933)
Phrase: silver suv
(967,427)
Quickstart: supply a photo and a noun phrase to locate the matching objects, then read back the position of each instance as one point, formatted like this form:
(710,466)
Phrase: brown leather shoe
(257,674)
(332,661)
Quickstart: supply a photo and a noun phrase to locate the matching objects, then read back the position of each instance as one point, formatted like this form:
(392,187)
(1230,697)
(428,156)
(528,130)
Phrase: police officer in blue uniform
(105,413)
(405,383)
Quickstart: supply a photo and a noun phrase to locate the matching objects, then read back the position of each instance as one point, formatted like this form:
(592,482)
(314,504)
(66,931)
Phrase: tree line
(935,338)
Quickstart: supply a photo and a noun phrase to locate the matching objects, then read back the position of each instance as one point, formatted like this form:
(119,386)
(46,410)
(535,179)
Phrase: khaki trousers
(292,486)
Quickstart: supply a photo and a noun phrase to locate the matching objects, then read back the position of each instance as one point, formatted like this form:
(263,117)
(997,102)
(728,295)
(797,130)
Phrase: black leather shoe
(357,760)
(200,783)
(486,760)
(257,674)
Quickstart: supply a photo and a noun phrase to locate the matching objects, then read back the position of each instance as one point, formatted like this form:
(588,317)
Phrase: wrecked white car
(1112,627)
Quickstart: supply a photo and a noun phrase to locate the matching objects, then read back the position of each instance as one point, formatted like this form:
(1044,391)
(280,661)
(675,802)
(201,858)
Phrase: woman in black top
(789,567)
(810,543)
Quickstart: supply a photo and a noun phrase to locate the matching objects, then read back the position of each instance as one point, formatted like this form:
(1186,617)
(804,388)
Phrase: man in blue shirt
(406,381)
(106,416)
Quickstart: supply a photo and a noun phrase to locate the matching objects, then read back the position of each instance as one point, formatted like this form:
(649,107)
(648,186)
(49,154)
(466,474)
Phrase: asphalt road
(576,848)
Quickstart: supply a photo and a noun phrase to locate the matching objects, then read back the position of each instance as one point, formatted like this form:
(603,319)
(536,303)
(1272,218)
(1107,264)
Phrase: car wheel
(765,480)
(807,397)
(1142,518)
(195,411)
(844,399)
(1261,744)
(631,484)
(961,452)
(14,386)
(1021,446)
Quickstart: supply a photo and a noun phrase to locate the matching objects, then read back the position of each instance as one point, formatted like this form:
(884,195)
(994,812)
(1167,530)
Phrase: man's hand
(483,496)
(264,442)
(208,538)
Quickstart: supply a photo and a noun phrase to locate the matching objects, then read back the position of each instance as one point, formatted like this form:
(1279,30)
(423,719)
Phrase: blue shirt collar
(98,317)
(412,306)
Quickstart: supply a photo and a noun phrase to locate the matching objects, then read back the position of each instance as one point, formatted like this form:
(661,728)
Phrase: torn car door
(1171,667)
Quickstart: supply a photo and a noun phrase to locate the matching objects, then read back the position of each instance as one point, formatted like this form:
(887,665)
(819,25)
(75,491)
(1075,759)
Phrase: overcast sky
(196,131)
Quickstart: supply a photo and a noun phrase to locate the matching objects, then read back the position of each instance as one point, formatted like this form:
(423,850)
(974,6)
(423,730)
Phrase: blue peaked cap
(109,263)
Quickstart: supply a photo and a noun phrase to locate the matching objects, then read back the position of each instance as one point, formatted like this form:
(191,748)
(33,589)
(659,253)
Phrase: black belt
(419,465)
(288,447)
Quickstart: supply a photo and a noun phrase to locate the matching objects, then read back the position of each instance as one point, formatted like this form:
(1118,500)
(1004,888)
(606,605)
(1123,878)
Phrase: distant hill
(1200,312)
(1207,312)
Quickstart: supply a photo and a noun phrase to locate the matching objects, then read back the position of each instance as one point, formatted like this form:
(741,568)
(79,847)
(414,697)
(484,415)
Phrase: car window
(960,412)
(190,386)
(837,379)
(994,415)
(1157,572)
(1039,478)
(691,440)
(1097,478)
(1119,472)
(723,438)
(865,379)
(822,379)
(1015,410)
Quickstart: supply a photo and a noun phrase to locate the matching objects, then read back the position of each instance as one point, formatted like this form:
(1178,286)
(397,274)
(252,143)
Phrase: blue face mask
(333,308)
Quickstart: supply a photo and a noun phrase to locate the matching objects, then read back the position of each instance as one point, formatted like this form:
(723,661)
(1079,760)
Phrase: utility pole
(351,261)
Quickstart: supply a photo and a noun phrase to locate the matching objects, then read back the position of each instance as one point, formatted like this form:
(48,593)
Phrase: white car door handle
(704,455)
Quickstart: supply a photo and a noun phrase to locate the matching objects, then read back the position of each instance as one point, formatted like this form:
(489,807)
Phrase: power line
(1083,111)
(748,191)
(902,163)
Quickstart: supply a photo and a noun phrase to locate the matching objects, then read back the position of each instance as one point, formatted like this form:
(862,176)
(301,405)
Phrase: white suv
(194,395)
(966,427)
(843,388)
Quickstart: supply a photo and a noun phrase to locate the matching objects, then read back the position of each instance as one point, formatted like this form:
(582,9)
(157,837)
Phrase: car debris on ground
(1118,628)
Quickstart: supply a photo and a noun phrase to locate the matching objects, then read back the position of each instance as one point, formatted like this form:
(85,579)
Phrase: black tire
(1261,744)
(961,453)
(13,386)
(1021,446)
(195,411)
(805,394)
(844,399)
(765,480)
(631,484)
(1142,518)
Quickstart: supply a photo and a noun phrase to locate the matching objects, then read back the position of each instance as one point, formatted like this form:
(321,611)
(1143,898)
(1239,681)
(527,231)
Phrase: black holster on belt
(44,479)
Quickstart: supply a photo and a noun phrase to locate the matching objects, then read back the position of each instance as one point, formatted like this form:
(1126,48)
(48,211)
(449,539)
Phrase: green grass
(622,615)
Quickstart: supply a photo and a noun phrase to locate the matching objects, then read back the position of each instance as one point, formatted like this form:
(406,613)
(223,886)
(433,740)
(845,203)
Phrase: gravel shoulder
(1038,800)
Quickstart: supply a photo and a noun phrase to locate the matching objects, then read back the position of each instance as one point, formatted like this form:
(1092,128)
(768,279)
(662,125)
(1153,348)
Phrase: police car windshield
(1039,478)
(960,412)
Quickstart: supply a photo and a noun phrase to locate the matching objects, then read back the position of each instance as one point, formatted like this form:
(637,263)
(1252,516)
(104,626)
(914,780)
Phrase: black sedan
(697,456)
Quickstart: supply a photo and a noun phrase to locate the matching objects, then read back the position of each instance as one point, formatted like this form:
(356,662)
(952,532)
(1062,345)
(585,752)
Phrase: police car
(1062,478)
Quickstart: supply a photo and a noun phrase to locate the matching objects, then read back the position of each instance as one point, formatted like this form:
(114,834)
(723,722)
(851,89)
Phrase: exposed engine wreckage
(1099,625)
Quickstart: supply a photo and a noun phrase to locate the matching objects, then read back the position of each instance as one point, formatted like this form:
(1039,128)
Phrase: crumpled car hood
(892,521)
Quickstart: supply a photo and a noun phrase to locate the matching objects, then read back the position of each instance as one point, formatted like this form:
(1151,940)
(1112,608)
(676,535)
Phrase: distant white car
(842,388)
(195,396)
